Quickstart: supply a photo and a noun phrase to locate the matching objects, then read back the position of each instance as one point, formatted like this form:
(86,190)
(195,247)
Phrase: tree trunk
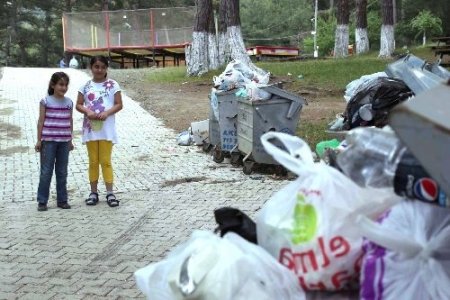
(235,40)
(197,51)
(224,53)
(8,47)
(341,36)
(400,11)
(341,41)
(331,5)
(394,11)
(105,4)
(387,40)
(68,5)
(45,45)
(361,36)
(362,40)
(424,38)
(23,52)
(12,34)
(213,51)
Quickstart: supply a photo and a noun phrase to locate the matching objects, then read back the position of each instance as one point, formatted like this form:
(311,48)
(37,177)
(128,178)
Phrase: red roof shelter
(130,36)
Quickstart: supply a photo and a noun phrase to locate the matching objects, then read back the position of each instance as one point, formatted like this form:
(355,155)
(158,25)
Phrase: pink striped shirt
(58,116)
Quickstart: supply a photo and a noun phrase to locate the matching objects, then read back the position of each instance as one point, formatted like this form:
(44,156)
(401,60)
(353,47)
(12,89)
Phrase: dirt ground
(179,104)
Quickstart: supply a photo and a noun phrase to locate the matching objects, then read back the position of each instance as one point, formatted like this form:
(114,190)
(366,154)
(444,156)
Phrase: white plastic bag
(358,84)
(254,92)
(408,255)
(184,138)
(200,131)
(208,267)
(232,77)
(257,75)
(242,68)
(237,75)
(309,225)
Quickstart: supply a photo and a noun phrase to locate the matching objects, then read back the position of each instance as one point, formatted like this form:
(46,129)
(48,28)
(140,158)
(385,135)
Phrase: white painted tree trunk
(224,53)
(341,41)
(238,51)
(213,52)
(362,40)
(387,41)
(424,39)
(236,45)
(197,54)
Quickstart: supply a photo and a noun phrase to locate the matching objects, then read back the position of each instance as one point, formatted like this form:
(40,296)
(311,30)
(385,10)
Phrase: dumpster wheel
(248,167)
(235,159)
(206,147)
(281,171)
(218,155)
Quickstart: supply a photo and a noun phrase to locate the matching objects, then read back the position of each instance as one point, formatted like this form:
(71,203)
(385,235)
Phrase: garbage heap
(373,225)
(244,106)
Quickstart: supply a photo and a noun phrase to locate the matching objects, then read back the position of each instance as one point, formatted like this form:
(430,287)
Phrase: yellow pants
(100,154)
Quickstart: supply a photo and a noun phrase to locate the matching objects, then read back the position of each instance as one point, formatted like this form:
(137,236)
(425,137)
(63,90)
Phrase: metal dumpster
(223,127)
(417,74)
(214,132)
(280,113)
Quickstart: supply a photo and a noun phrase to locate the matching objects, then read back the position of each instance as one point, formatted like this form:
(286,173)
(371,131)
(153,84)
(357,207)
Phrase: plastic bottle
(376,158)
(371,156)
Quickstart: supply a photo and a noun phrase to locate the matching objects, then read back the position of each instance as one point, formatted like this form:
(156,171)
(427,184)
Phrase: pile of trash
(370,222)
(322,233)
(243,82)
(371,97)
(238,75)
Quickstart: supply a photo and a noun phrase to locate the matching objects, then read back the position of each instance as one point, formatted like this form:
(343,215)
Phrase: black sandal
(112,201)
(92,199)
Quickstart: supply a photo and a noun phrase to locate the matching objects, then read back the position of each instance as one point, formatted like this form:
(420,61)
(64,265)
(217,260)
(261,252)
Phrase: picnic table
(442,47)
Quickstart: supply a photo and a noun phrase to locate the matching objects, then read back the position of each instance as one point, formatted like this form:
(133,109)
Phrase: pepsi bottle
(376,158)
(413,182)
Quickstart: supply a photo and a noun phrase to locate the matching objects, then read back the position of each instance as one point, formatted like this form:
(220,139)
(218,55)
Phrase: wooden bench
(442,48)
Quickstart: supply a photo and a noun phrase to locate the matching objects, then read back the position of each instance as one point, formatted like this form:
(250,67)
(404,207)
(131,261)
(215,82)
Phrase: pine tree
(361,36)
(341,35)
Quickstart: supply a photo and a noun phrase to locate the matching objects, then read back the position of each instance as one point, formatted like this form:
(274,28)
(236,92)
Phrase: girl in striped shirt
(54,140)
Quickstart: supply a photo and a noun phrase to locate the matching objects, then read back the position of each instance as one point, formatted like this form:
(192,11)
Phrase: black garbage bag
(372,102)
(234,220)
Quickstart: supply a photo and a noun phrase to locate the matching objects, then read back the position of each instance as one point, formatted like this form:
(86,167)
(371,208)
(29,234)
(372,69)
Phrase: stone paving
(92,252)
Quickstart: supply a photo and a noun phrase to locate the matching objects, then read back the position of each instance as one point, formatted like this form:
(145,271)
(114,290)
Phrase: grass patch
(324,73)
(179,75)
(313,132)
(327,73)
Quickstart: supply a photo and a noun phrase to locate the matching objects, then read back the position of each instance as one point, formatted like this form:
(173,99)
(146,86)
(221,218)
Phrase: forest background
(31,30)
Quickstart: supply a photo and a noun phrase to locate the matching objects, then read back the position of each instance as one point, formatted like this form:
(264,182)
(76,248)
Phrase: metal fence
(143,28)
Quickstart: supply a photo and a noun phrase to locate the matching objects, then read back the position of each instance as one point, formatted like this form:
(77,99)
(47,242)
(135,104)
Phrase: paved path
(92,252)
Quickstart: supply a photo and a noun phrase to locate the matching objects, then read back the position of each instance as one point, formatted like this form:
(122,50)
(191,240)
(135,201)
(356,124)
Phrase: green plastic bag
(323,145)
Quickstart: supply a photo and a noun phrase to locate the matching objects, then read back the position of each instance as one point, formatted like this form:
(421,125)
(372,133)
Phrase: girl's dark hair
(100,58)
(54,80)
